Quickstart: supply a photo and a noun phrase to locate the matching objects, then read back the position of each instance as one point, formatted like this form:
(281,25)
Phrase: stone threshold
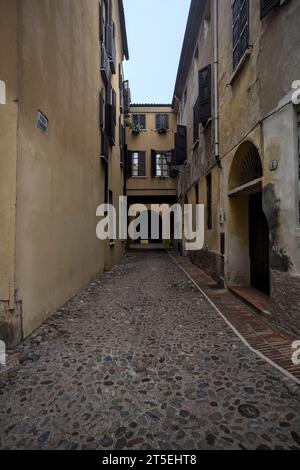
(265,339)
(252,297)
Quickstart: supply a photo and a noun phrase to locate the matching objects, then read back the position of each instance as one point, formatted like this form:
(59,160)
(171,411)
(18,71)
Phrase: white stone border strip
(258,353)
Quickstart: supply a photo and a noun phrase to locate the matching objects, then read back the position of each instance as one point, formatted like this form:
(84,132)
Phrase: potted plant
(136,129)
(162,130)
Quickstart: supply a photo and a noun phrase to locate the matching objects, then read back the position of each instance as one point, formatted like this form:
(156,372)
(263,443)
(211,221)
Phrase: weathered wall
(60,182)
(10,325)
(256,106)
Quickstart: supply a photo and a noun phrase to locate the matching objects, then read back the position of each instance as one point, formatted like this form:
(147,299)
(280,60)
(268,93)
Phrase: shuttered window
(139,120)
(196,121)
(204,104)
(102,110)
(181,145)
(240,30)
(162,121)
(266,6)
(138,164)
(209,202)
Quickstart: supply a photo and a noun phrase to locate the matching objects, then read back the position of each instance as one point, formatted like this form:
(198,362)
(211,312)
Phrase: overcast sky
(155,30)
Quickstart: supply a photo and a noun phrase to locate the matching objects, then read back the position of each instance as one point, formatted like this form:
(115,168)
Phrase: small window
(162,166)
(139,120)
(162,121)
(240,30)
(209,202)
(138,164)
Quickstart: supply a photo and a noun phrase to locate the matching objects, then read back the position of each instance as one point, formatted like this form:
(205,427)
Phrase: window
(138,164)
(209,202)
(185,97)
(181,145)
(162,168)
(266,6)
(196,121)
(162,121)
(240,28)
(204,103)
(139,120)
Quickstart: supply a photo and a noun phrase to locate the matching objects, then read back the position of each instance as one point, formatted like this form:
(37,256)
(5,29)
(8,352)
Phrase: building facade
(58,162)
(150,137)
(243,148)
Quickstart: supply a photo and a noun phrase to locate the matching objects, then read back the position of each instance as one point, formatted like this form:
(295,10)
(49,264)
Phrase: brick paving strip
(272,344)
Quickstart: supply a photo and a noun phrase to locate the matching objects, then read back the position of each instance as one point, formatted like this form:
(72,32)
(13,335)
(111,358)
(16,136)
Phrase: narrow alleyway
(140,360)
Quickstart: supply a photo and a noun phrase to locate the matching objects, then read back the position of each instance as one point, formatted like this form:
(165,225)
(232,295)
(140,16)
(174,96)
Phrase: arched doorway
(249,258)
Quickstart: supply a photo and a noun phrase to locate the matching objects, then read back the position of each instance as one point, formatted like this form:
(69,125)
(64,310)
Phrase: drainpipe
(216,87)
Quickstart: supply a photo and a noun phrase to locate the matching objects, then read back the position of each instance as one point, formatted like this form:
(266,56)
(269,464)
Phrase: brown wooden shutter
(129,164)
(205,94)
(209,202)
(268,5)
(158,121)
(102,110)
(165,119)
(153,163)
(181,145)
(142,163)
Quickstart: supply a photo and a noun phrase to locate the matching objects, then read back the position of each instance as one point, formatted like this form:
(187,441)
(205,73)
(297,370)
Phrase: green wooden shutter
(181,145)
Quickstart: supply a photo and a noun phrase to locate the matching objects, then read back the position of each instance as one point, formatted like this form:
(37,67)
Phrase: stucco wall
(146,141)
(60,175)
(8,158)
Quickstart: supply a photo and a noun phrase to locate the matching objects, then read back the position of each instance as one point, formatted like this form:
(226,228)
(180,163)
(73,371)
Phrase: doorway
(259,245)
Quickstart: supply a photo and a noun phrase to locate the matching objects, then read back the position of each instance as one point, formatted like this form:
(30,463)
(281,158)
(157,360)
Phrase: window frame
(163,165)
(136,164)
(237,44)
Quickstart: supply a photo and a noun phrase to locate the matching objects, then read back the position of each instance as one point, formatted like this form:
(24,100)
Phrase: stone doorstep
(265,338)
(259,301)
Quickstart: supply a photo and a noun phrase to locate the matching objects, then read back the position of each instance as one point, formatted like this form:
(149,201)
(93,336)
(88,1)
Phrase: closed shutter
(109,5)
(142,163)
(204,104)
(135,119)
(153,163)
(158,121)
(268,5)
(129,164)
(165,118)
(102,109)
(181,145)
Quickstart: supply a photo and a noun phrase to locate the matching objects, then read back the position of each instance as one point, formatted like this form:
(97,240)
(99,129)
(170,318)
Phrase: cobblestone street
(140,360)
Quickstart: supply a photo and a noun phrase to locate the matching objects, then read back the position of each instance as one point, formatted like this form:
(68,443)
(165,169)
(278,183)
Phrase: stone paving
(139,360)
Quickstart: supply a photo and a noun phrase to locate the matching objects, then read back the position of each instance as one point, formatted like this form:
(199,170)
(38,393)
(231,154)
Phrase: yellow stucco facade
(52,182)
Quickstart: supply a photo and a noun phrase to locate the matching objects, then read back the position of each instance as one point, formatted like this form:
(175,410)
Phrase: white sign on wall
(2,92)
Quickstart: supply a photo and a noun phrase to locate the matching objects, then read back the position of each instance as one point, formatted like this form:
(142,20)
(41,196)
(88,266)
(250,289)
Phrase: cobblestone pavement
(139,360)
